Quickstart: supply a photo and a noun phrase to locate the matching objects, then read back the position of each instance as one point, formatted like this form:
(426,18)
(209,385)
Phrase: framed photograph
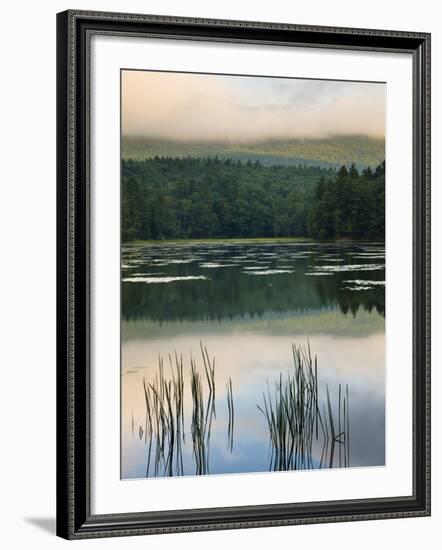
(243,274)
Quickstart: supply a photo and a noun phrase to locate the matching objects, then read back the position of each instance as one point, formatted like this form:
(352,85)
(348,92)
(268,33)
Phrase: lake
(211,336)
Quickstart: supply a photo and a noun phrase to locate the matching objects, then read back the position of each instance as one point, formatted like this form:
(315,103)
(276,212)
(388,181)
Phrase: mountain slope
(328,152)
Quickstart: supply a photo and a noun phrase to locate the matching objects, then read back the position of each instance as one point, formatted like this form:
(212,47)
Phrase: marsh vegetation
(295,412)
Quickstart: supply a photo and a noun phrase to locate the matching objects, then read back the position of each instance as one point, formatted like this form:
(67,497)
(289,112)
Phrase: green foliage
(349,205)
(191,198)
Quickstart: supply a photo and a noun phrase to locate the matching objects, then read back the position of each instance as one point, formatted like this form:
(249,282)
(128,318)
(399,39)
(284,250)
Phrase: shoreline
(247,240)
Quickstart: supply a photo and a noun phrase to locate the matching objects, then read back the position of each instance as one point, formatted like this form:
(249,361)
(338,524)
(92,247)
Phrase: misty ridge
(330,152)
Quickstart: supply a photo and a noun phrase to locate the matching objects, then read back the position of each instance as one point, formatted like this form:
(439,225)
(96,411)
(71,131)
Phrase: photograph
(252,223)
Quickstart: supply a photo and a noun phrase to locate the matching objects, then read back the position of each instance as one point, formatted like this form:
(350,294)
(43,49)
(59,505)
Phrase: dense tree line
(349,205)
(173,198)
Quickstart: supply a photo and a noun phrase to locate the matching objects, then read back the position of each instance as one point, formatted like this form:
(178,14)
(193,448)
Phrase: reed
(295,422)
(342,436)
(164,431)
(300,424)
(164,419)
(231,412)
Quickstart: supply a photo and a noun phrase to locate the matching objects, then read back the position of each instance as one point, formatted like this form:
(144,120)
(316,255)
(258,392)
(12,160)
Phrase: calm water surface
(247,304)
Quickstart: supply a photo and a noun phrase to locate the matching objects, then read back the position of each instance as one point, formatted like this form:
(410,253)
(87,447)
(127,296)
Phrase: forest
(191,198)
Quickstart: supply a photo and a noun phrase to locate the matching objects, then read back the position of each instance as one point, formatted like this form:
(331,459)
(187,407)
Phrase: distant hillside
(330,152)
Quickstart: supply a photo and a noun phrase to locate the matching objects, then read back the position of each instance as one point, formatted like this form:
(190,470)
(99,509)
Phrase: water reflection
(328,297)
(224,282)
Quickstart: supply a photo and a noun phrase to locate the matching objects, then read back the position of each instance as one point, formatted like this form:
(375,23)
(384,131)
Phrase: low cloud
(188,107)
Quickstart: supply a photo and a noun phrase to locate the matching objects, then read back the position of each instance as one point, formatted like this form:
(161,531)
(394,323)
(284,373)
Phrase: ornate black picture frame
(74,518)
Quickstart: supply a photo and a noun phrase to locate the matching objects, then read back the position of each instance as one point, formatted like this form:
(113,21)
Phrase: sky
(203,107)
